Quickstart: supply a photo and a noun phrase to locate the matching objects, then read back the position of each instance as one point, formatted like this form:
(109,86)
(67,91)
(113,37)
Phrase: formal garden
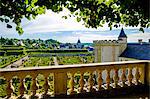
(38,61)
(61,60)
(67,60)
(6,60)
(42,57)
(36,58)
(41,61)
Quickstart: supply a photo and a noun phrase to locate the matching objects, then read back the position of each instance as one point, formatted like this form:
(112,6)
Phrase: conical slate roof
(78,41)
(122,34)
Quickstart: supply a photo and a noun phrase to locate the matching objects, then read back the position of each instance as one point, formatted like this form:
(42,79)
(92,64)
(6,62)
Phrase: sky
(52,26)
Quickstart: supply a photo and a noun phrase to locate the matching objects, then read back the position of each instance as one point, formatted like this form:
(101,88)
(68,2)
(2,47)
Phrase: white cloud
(134,37)
(51,22)
(89,37)
(84,37)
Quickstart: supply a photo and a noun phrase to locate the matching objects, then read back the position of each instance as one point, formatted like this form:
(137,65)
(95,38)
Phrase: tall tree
(94,13)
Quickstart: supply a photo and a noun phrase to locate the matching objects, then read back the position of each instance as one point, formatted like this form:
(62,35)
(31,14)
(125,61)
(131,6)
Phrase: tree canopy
(94,13)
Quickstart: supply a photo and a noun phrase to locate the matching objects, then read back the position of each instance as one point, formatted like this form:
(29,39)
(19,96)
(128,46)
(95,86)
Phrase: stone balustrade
(73,79)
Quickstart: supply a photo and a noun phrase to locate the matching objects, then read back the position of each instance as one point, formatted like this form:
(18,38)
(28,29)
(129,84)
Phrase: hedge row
(12,48)
(2,53)
(58,54)
(56,51)
(14,52)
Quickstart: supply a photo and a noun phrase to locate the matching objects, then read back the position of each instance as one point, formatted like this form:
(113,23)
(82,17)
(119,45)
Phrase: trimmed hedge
(35,54)
(56,51)
(12,48)
(2,53)
(14,52)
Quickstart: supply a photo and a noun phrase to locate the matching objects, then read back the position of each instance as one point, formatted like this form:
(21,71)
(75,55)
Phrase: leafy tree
(93,13)
(2,40)
(10,42)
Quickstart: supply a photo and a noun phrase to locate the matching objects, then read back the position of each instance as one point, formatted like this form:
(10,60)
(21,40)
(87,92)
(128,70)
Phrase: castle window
(120,39)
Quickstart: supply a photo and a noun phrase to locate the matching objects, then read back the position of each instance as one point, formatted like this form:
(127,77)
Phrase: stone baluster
(22,87)
(72,83)
(60,83)
(91,82)
(116,78)
(108,79)
(100,80)
(141,73)
(130,76)
(137,76)
(34,86)
(81,83)
(123,77)
(9,87)
(46,84)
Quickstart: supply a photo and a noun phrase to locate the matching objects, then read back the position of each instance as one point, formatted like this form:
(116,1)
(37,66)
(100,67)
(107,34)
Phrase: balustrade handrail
(95,70)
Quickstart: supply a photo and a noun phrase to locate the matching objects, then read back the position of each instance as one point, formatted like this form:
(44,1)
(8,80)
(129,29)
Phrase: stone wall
(106,50)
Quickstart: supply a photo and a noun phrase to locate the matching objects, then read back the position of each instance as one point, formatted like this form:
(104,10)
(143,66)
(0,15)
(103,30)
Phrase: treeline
(29,43)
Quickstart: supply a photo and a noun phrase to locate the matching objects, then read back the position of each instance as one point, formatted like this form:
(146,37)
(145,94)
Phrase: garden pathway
(18,63)
(55,61)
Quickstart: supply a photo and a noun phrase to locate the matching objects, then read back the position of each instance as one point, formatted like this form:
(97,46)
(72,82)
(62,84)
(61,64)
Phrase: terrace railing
(74,79)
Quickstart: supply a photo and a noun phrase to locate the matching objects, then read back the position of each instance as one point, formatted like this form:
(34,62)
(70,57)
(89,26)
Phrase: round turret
(122,38)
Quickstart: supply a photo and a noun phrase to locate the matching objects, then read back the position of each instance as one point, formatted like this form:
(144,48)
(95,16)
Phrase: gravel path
(55,61)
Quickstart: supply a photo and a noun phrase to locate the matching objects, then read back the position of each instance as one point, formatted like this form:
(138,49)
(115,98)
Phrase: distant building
(62,46)
(90,48)
(66,46)
(20,43)
(36,45)
(79,45)
(120,50)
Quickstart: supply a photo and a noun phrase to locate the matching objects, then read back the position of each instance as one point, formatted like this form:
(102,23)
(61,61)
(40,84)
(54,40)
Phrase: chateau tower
(122,39)
(110,50)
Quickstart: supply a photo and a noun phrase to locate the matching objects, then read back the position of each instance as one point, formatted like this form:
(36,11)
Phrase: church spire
(78,41)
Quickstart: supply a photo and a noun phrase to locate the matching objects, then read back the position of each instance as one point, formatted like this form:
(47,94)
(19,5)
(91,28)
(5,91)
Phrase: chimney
(140,41)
